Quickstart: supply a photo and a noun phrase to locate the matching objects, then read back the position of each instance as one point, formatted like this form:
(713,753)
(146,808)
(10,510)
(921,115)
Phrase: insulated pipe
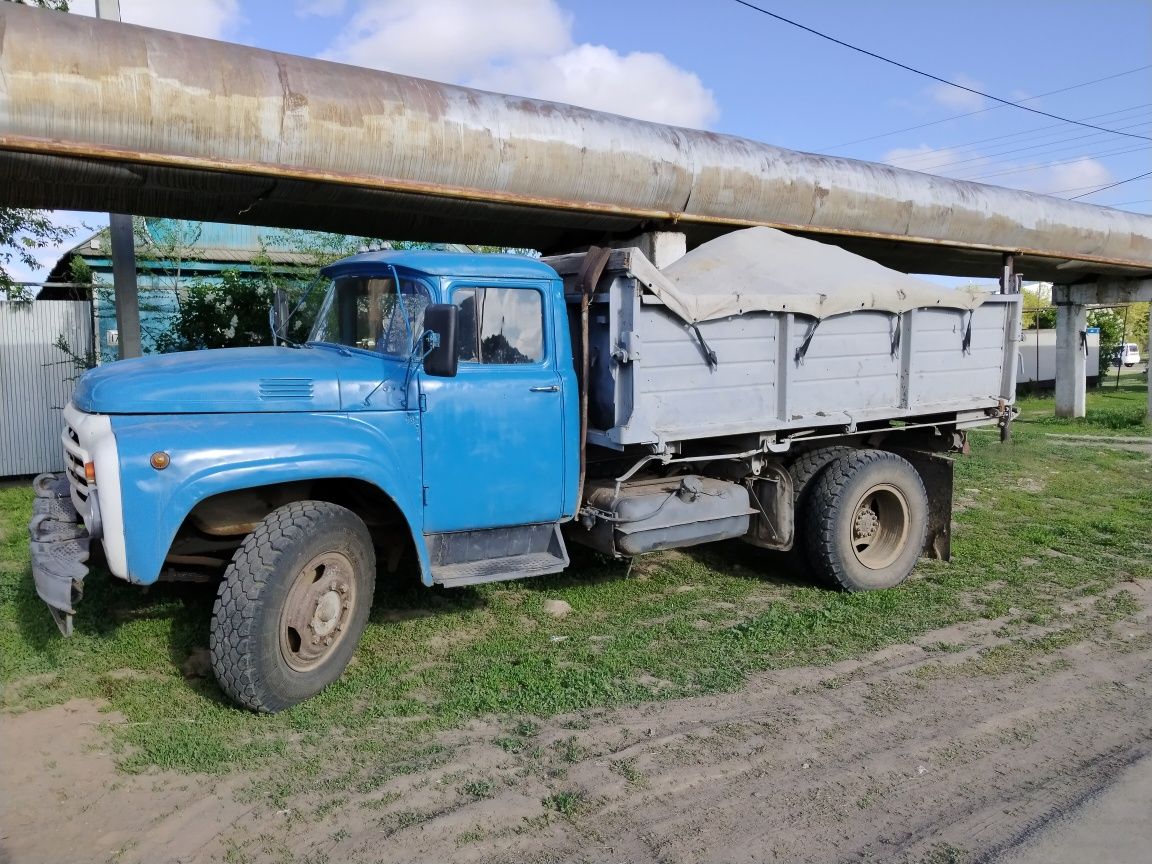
(101,115)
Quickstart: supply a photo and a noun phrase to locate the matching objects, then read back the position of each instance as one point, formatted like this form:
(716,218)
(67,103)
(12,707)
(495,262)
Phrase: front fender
(214,453)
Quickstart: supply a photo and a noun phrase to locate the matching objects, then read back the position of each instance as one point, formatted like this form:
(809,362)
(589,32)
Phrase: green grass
(1049,521)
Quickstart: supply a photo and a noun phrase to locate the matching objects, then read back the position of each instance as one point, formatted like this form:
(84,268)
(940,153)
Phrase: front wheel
(292,605)
(867,518)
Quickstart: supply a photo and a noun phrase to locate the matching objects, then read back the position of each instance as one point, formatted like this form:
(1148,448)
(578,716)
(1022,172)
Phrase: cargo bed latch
(628,350)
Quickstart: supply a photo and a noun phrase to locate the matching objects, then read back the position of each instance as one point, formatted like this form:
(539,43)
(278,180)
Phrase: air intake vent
(285,388)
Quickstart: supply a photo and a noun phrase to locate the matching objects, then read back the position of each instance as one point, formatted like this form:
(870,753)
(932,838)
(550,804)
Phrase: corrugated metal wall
(36,380)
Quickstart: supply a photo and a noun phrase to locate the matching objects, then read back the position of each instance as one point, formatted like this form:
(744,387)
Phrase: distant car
(1127,354)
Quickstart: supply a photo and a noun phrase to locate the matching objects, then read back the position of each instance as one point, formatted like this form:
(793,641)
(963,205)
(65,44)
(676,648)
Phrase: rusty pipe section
(99,115)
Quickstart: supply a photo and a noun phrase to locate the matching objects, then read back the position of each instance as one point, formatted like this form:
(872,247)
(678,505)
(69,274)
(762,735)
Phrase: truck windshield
(368,312)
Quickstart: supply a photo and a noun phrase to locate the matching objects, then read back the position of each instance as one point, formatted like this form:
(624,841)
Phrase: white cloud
(523,47)
(955,99)
(1084,173)
(594,76)
(450,39)
(319,8)
(215,19)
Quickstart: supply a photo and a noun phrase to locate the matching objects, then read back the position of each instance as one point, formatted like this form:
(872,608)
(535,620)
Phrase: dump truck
(480,413)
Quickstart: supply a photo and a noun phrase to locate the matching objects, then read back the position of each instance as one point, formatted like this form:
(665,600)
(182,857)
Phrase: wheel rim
(315,618)
(880,526)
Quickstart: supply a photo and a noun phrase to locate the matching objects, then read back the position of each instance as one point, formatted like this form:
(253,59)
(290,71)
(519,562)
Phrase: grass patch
(1049,521)
(567,803)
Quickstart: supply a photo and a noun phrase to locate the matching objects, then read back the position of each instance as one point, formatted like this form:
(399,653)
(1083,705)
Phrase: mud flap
(936,471)
(59,543)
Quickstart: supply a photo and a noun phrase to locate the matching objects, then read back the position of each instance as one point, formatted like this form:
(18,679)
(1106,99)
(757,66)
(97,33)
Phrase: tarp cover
(765,270)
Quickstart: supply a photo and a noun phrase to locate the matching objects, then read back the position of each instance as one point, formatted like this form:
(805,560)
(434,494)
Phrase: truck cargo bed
(652,379)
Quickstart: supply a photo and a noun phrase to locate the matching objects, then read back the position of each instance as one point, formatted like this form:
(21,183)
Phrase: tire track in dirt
(912,754)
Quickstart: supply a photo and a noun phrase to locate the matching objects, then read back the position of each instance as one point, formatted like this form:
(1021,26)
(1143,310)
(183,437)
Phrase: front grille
(74,458)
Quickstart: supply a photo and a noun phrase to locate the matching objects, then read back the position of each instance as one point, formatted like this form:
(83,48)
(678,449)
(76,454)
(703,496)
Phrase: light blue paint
(460,265)
(215,453)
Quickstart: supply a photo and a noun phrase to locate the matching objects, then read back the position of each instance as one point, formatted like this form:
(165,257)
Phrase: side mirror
(441,360)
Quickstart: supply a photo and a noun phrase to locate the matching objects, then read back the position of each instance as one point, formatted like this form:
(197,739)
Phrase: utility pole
(127,291)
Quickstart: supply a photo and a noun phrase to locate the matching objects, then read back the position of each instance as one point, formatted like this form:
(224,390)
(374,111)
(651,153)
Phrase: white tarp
(765,270)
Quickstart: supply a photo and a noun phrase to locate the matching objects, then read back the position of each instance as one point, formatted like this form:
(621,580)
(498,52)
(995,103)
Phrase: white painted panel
(36,380)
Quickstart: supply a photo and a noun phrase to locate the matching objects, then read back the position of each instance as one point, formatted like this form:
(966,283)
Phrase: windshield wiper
(282,334)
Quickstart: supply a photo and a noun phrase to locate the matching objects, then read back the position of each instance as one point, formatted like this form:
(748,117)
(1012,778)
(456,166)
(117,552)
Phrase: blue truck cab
(310,459)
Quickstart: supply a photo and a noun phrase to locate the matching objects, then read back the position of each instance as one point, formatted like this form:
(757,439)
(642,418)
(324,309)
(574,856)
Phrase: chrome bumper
(59,544)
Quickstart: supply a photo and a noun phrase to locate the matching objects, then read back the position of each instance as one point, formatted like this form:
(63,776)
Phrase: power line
(970,146)
(935,77)
(981,163)
(989,159)
(983,110)
(1112,185)
(1024,169)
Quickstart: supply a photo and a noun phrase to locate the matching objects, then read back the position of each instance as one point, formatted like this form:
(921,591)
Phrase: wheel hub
(880,528)
(866,523)
(317,611)
(327,614)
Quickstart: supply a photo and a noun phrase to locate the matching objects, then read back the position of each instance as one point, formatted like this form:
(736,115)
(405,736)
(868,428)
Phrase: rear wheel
(866,520)
(292,605)
(805,469)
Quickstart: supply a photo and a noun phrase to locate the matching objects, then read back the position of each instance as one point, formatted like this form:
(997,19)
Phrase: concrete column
(126,288)
(1071,381)
(659,247)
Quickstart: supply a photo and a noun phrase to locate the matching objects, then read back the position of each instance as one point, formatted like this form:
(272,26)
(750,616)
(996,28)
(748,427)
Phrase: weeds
(1076,526)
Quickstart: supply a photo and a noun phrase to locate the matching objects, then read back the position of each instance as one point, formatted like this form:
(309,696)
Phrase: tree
(1038,305)
(21,232)
(1138,325)
(229,313)
(1111,324)
(58,5)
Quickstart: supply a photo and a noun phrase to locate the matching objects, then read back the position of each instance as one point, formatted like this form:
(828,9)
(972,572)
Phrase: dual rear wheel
(863,516)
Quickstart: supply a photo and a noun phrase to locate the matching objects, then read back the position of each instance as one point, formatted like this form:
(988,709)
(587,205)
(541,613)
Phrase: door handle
(551,388)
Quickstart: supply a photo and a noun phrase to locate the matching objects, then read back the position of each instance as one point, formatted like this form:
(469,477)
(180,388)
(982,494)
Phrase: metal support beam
(1071,342)
(124,280)
(1011,282)
(123,251)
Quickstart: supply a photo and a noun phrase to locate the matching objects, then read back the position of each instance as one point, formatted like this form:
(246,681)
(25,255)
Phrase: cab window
(374,313)
(500,326)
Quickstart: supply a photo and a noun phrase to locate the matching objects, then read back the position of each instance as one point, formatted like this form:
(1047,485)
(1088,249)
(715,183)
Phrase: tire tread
(244,582)
(821,511)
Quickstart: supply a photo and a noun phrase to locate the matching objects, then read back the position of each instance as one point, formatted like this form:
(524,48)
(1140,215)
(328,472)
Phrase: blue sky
(716,64)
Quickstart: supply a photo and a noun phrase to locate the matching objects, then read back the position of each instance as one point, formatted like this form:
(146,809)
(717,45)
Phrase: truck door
(493,445)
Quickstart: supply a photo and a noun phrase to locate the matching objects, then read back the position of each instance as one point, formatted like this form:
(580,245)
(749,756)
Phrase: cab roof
(442,264)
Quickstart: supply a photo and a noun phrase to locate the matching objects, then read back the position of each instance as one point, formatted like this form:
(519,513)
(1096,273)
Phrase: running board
(496,554)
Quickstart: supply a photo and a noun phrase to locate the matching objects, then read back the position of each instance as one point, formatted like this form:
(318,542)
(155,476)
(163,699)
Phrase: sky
(718,65)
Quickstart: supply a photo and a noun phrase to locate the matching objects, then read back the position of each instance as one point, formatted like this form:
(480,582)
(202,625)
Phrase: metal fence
(36,380)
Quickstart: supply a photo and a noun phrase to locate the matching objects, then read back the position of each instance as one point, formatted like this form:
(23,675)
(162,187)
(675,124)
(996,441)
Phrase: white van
(1129,354)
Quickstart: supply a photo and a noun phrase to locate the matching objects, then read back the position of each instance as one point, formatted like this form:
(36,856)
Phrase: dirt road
(961,747)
